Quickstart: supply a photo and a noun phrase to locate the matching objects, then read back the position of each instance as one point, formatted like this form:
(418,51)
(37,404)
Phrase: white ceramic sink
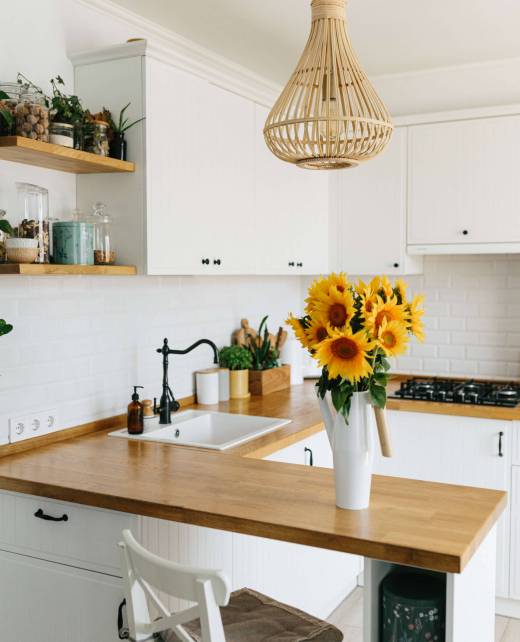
(217,430)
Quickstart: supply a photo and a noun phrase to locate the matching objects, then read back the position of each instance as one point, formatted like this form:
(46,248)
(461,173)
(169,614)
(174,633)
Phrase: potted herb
(7,119)
(266,375)
(67,114)
(118,143)
(238,359)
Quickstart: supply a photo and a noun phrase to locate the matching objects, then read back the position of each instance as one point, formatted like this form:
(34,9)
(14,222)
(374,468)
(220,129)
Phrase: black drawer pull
(311,456)
(500,435)
(48,518)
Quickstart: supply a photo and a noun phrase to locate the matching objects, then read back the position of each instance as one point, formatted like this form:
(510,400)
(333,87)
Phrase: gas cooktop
(467,391)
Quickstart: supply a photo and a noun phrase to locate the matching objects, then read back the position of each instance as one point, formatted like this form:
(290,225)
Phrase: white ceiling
(390,36)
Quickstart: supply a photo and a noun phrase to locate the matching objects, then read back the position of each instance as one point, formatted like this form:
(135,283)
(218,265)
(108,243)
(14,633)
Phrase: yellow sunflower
(386,287)
(316,332)
(415,313)
(389,310)
(335,309)
(298,329)
(321,287)
(368,300)
(401,286)
(346,355)
(393,338)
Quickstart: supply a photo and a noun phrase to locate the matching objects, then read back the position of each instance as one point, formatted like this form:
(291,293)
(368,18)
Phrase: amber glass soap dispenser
(135,414)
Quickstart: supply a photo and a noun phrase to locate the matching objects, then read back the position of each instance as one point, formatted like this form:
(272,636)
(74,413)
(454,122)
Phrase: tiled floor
(349,618)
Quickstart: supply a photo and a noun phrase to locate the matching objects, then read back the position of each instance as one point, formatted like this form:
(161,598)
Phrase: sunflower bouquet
(352,329)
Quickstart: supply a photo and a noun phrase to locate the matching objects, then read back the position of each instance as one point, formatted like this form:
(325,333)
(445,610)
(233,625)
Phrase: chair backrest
(144,571)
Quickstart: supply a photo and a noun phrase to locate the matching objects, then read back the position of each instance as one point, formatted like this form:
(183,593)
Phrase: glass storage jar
(32,219)
(8,107)
(61,134)
(95,137)
(32,116)
(104,253)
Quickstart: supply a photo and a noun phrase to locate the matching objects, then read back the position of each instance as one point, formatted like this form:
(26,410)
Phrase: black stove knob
(441,395)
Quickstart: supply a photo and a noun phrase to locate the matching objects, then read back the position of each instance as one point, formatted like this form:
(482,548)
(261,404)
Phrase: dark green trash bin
(412,608)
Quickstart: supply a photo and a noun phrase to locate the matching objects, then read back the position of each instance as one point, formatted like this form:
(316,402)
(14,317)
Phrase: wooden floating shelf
(39,269)
(33,152)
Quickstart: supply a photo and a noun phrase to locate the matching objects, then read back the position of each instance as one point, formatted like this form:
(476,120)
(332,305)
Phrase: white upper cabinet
(207,196)
(370,214)
(291,213)
(464,191)
(200,163)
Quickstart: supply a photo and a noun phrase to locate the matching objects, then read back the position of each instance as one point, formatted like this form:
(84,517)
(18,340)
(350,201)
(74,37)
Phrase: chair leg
(210,619)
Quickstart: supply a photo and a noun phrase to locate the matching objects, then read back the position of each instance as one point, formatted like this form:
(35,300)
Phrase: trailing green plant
(235,358)
(5,327)
(6,114)
(65,108)
(122,125)
(263,354)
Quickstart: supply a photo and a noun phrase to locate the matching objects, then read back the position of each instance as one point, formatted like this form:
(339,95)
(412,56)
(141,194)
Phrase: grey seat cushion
(253,617)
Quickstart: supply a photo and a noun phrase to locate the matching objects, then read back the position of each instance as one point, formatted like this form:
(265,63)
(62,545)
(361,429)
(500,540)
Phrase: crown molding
(184,54)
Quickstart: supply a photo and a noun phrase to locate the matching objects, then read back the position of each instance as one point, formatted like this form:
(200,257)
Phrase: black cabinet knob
(299,264)
(205,261)
(217,261)
(396,265)
(291,263)
(465,232)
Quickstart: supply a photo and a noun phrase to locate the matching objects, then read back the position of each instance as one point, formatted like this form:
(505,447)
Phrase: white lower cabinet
(515,535)
(49,602)
(455,450)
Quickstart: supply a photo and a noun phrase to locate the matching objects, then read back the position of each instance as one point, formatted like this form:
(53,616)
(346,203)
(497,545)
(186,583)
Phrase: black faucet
(168,403)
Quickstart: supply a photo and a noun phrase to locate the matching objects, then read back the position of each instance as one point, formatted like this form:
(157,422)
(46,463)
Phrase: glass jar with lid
(104,253)
(32,218)
(73,241)
(32,116)
(61,134)
(95,137)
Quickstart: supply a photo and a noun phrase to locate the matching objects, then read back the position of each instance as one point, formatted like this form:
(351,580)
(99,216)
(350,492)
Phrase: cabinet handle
(291,263)
(205,261)
(500,452)
(396,265)
(299,264)
(122,630)
(465,232)
(311,455)
(48,518)
(217,261)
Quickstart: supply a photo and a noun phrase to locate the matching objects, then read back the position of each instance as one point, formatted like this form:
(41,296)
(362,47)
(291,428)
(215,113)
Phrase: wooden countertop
(427,525)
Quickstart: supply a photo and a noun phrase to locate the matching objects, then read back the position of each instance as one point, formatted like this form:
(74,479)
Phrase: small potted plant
(7,117)
(238,359)
(67,114)
(266,375)
(118,143)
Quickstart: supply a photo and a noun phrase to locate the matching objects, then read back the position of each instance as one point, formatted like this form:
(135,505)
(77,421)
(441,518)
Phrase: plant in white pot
(351,330)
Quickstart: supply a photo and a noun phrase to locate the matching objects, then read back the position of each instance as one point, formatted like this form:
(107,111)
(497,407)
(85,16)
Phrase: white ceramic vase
(352,446)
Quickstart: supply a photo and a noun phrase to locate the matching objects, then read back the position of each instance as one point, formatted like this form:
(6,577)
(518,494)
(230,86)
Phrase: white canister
(223,384)
(292,354)
(207,386)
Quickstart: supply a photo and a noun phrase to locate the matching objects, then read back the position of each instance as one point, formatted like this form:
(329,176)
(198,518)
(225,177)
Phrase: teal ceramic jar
(73,243)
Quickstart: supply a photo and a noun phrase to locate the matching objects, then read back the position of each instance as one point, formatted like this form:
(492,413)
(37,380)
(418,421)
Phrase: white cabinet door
(463,182)
(370,212)
(54,603)
(312,579)
(454,450)
(200,176)
(291,212)
(515,534)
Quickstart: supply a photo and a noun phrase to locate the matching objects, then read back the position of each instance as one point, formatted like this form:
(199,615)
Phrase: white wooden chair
(250,616)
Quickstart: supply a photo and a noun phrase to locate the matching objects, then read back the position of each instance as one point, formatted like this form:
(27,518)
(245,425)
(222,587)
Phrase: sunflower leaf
(385,363)
(378,395)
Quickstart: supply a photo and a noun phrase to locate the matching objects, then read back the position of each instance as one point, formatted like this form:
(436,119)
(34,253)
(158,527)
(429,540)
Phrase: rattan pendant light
(329,115)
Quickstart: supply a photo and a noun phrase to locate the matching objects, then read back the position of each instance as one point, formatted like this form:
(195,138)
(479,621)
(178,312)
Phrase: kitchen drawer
(516,443)
(88,539)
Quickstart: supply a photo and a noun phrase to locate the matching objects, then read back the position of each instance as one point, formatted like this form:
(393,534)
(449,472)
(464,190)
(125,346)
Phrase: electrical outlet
(33,425)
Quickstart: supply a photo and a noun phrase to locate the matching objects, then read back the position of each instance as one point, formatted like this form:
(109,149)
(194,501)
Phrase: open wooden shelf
(64,159)
(37,269)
